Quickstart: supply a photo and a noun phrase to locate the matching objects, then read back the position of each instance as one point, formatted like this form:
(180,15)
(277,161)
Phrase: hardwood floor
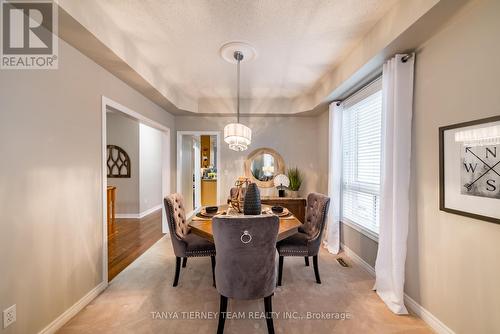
(129,239)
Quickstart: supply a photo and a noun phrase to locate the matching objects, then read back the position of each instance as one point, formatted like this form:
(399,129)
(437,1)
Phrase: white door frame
(166,171)
(197,176)
(217,134)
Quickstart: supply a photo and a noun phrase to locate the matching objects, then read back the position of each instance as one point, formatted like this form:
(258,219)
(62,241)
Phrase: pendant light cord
(238,56)
(238,105)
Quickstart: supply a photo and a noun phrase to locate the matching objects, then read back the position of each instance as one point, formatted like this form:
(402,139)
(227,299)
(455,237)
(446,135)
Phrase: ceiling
(175,45)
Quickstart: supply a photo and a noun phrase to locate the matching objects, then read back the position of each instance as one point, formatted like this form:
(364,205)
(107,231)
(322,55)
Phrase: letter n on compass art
(469,169)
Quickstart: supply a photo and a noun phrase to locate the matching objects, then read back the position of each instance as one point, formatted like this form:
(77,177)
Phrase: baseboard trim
(138,215)
(55,325)
(437,325)
(150,211)
(127,216)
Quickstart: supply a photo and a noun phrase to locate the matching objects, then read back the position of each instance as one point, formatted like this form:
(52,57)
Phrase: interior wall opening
(198,169)
(136,171)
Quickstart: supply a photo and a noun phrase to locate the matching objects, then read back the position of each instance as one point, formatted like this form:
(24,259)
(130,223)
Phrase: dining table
(201,225)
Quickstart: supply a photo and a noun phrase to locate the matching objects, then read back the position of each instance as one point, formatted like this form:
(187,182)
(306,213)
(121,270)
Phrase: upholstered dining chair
(185,244)
(246,261)
(307,241)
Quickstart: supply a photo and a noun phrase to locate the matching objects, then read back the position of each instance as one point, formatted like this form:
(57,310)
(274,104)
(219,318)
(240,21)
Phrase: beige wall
(363,246)
(123,131)
(50,196)
(295,138)
(321,146)
(50,184)
(187,165)
(452,264)
(143,144)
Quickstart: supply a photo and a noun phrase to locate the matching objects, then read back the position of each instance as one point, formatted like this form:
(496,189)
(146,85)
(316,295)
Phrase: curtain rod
(359,89)
(407,56)
(404,59)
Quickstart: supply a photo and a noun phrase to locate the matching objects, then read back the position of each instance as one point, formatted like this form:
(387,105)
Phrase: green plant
(295,177)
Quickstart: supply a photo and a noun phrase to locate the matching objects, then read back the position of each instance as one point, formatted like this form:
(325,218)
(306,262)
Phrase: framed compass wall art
(469,169)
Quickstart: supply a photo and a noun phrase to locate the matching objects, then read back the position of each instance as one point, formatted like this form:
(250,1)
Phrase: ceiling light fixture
(237,135)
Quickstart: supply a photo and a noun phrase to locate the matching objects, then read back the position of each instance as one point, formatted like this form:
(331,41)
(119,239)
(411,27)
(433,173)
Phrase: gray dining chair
(307,241)
(246,261)
(185,244)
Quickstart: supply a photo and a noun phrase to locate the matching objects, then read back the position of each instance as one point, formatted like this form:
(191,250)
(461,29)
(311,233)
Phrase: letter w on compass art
(480,170)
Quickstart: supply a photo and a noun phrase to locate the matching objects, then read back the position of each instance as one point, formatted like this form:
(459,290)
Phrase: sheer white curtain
(397,86)
(332,241)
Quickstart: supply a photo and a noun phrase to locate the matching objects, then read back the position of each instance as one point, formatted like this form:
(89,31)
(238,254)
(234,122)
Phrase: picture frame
(469,169)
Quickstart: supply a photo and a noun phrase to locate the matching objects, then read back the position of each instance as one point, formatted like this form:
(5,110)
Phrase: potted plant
(295,177)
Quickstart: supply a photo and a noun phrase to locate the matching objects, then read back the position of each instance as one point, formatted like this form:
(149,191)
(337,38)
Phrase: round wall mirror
(262,165)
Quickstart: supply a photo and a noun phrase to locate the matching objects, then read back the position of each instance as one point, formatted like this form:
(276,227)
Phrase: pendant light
(237,135)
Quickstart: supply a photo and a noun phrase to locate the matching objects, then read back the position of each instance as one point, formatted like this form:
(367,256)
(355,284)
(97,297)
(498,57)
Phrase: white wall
(50,183)
(123,131)
(150,165)
(297,139)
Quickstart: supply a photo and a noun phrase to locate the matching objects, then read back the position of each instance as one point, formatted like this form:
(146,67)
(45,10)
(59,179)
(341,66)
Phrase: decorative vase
(252,205)
(292,193)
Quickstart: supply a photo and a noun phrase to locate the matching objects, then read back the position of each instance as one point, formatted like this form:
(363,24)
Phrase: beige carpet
(141,299)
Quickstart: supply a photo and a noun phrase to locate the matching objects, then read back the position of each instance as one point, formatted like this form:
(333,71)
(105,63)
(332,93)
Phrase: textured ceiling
(175,44)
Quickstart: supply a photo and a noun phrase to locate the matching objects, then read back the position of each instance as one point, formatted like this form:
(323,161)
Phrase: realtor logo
(29,38)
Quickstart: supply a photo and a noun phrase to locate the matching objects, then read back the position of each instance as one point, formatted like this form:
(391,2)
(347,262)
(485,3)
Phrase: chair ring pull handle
(246,237)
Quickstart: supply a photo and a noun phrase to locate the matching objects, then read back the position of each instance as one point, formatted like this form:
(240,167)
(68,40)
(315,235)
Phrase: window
(361,157)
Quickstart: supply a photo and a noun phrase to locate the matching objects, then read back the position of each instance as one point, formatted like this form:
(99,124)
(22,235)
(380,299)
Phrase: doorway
(135,179)
(198,165)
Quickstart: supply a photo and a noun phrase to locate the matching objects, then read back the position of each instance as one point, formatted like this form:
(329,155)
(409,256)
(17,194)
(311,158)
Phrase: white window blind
(361,155)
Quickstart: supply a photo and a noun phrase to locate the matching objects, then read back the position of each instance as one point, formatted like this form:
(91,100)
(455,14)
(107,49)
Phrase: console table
(296,205)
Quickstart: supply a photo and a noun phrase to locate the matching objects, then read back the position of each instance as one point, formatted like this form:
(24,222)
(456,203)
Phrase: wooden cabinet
(296,205)
(208,192)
